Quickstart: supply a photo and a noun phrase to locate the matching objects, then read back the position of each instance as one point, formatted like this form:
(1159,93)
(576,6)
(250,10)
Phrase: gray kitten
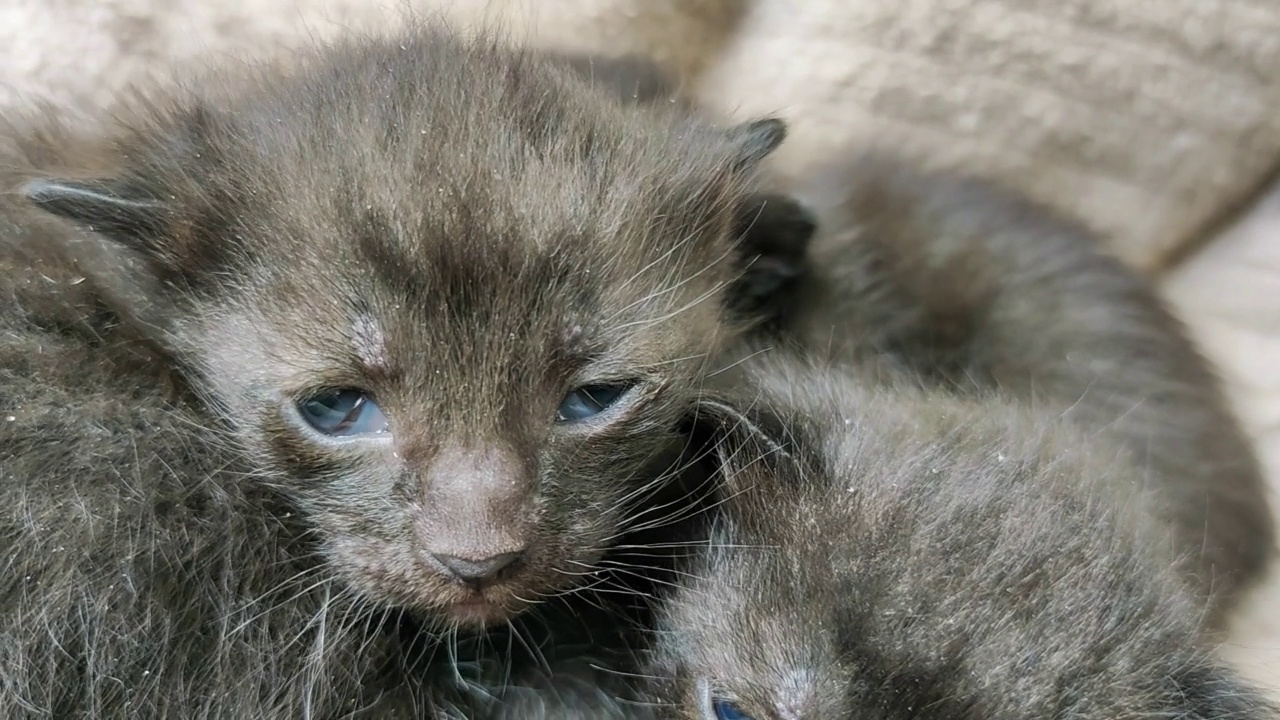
(977,490)
(888,551)
(305,367)
(987,293)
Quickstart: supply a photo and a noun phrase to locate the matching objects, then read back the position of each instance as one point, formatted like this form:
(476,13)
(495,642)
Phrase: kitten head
(449,297)
(752,630)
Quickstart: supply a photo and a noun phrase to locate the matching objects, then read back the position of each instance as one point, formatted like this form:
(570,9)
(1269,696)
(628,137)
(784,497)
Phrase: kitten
(889,552)
(986,293)
(307,366)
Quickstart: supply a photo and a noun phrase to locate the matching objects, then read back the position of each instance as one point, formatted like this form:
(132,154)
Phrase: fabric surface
(1147,119)
(1151,121)
(1229,295)
(84,53)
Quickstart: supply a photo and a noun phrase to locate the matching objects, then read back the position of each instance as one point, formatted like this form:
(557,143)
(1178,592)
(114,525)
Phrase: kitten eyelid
(630,382)
(709,701)
(290,404)
(336,441)
(631,392)
(591,375)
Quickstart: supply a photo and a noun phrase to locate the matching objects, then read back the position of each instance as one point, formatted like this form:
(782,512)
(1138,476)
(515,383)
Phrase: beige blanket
(1230,296)
(1153,121)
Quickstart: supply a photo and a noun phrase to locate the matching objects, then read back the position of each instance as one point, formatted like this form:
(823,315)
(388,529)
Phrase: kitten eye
(725,710)
(590,400)
(714,708)
(343,413)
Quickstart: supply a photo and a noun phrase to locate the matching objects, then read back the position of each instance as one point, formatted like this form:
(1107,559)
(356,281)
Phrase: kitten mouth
(480,608)
(476,610)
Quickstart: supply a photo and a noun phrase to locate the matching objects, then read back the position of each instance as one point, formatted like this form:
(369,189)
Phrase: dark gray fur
(176,544)
(887,552)
(774,229)
(977,490)
(571,661)
(973,287)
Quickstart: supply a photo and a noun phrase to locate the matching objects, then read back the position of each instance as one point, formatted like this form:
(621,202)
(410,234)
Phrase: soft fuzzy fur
(467,233)
(984,292)
(891,552)
(978,489)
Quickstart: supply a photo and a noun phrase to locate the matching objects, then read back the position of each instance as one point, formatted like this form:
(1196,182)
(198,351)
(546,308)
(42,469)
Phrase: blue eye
(343,413)
(726,710)
(590,400)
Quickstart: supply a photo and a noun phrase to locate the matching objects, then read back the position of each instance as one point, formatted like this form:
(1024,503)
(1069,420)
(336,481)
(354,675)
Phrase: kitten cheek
(384,572)
(287,449)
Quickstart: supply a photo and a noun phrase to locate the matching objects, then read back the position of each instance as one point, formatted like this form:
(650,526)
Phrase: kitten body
(986,293)
(892,551)
(974,481)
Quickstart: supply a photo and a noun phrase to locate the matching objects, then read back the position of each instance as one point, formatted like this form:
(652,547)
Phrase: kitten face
(450,300)
(522,388)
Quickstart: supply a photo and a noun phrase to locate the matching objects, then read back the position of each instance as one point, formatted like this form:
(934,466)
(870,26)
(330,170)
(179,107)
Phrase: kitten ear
(109,207)
(746,445)
(118,252)
(773,235)
(756,140)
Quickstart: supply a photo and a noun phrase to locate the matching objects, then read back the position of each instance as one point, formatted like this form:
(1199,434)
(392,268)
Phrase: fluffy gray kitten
(887,552)
(988,294)
(985,476)
(303,368)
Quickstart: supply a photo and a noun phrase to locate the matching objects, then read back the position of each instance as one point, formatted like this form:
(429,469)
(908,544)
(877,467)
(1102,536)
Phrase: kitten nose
(476,571)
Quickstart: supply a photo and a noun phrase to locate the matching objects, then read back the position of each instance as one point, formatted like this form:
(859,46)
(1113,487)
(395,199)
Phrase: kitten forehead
(797,692)
(369,342)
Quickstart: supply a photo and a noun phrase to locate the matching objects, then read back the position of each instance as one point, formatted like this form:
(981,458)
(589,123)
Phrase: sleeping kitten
(977,491)
(885,551)
(988,294)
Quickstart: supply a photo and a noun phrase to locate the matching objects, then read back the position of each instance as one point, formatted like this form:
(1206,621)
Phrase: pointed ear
(756,140)
(118,252)
(746,445)
(773,235)
(109,207)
